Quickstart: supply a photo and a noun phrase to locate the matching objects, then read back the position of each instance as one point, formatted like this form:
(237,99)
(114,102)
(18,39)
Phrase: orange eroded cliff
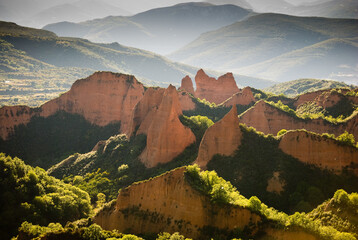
(319,150)
(224,137)
(213,90)
(270,120)
(186,101)
(169,204)
(14,116)
(167,137)
(187,85)
(243,97)
(102,98)
(141,115)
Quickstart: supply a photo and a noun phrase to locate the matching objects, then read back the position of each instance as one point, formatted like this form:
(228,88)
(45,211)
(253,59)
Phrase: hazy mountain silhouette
(160,30)
(265,37)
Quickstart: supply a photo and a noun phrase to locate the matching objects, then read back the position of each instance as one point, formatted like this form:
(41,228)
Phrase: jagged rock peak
(213,90)
(224,137)
(167,137)
(187,85)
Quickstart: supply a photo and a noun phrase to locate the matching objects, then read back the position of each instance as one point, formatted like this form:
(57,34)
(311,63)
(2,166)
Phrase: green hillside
(265,37)
(29,194)
(300,86)
(339,212)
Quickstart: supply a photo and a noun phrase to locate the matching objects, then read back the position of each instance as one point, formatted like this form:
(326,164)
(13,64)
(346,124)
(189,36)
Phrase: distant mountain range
(161,30)
(279,47)
(38,65)
(319,8)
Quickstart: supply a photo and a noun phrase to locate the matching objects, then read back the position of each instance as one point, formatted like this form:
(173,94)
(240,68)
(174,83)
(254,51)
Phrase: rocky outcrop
(323,98)
(167,137)
(13,116)
(143,112)
(270,120)
(186,101)
(320,151)
(307,97)
(102,98)
(187,85)
(169,204)
(224,137)
(275,183)
(243,97)
(213,90)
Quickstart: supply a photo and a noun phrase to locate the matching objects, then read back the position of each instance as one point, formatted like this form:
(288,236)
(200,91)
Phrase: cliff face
(270,120)
(243,97)
(144,110)
(187,85)
(14,116)
(224,137)
(320,151)
(213,90)
(102,98)
(168,203)
(307,97)
(186,101)
(167,137)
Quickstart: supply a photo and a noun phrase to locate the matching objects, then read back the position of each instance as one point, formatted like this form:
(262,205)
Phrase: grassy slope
(300,86)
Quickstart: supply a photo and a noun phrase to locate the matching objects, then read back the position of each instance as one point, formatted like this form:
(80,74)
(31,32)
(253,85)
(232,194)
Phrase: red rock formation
(142,114)
(14,116)
(167,137)
(307,97)
(102,98)
(319,150)
(213,90)
(187,85)
(323,98)
(243,97)
(169,204)
(224,137)
(186,101)
(275,184)
(328,99)
(270,120)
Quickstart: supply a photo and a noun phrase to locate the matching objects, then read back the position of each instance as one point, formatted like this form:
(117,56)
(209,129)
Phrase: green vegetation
(44,142)
(115,165)
(83,229)
(29,194)
(222,192)
(339,212)
(80,230)
(300,86)
(205,108)
(259,157)
(198,124)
